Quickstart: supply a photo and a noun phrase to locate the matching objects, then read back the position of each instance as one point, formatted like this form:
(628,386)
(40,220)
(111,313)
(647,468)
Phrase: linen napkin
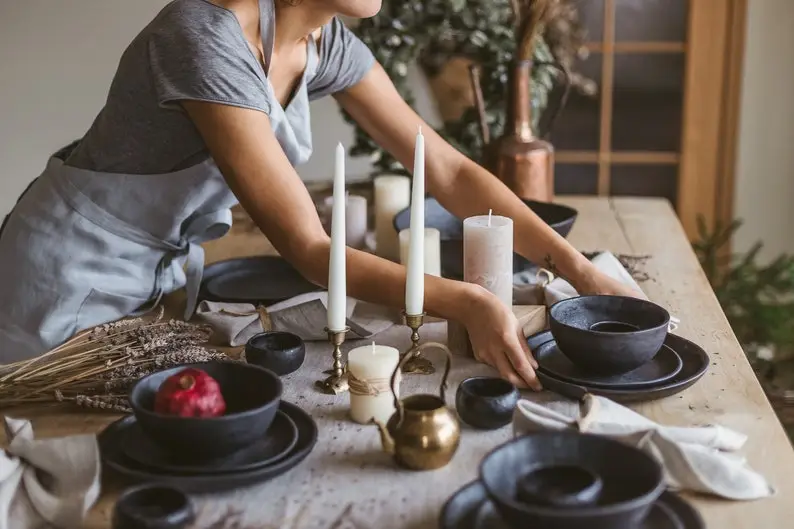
(305,315)
(700,459)
(46,482)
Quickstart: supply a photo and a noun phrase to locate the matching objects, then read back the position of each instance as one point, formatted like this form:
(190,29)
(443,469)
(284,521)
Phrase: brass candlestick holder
(416,363)
(336,383)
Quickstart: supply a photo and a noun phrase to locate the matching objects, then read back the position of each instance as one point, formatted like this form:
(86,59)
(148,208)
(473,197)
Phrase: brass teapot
(423,433)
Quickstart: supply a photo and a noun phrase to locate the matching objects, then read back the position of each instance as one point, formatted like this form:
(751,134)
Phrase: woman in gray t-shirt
(210,105)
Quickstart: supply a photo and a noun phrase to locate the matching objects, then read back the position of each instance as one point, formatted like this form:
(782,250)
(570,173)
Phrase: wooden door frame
(712,93)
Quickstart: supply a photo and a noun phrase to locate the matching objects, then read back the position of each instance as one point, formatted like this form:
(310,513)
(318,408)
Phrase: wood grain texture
(348,467)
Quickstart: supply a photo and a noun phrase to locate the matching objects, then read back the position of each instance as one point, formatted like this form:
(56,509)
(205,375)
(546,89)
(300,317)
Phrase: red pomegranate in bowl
(190,393)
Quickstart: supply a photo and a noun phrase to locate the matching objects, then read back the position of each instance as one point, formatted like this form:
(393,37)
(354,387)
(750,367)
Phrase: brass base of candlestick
(337,382)
(416,363)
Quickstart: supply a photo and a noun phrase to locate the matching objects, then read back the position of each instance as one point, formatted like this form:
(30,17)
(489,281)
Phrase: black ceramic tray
(261,280)
(110,448)
(470,508)
(280,439)
(695,363)
(559,217)
(663,367)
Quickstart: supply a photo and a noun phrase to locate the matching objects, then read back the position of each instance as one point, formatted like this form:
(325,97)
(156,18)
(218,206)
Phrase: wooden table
(347,466)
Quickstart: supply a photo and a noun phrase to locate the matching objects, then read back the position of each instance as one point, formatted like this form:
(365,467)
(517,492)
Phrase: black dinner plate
(661,368)
(281,437)
(261,280)
(470,508)
(695,363)
(110,448)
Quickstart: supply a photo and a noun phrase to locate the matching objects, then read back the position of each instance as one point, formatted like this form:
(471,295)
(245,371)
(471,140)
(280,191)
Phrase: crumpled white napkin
(699,459)
(305,315)
(47,482)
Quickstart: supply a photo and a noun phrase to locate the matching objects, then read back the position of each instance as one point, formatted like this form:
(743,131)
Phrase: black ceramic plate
(695,363)
(664,366)
(256,280)
(281,437)
(110,448)
(470,508)
(559,217)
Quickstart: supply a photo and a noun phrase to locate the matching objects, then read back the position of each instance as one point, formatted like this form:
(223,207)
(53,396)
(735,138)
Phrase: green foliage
(430,32)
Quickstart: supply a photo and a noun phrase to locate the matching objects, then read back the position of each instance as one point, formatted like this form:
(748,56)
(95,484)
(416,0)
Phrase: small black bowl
(631,480)
(608,335)
(486,403)
(559,486)
(252,396)
(153,507)
(560,218)
(281,352)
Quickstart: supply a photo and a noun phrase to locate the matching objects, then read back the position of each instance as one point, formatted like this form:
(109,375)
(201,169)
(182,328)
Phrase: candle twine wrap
(370,387)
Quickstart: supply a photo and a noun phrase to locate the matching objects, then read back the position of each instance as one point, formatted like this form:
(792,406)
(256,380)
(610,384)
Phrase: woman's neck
(294,23)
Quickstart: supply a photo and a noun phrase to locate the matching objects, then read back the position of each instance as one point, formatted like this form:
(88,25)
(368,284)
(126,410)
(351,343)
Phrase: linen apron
(82,248)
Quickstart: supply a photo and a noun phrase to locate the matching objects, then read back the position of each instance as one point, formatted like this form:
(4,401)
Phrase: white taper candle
(337,279)
(415,273)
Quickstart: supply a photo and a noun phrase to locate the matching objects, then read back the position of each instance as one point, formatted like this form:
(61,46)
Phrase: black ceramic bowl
(560,486)
(281,352)
(631,480)
(153,507)
(608,335)
(252,396)
(486,403)
(559,217)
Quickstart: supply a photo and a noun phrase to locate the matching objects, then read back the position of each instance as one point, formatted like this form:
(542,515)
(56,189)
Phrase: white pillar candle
(488,254)
(355,219)
(432,250)
(392,195)
(337,279)
(415,269)
(370,368)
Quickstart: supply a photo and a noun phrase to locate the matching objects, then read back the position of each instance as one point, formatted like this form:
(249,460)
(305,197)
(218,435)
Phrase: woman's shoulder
(197,23)
(344,60)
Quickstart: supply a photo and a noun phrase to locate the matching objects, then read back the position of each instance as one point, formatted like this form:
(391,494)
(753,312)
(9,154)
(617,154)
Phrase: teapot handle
(398,405)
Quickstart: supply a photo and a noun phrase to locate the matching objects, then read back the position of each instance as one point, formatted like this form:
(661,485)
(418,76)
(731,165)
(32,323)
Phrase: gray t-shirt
(195,50)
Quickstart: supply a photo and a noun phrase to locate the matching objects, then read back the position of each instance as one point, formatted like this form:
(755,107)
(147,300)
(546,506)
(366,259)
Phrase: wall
(765,165)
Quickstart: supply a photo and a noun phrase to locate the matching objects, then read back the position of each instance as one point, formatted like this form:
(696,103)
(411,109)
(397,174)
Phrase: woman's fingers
(505,368)
(519,359)
(525,346)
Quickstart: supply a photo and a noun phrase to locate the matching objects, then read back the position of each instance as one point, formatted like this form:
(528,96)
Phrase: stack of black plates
(470,508)
(679,364)
(128,452)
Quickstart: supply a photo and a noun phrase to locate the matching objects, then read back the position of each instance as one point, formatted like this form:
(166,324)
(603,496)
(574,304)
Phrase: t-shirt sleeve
(344,60)
(201,58)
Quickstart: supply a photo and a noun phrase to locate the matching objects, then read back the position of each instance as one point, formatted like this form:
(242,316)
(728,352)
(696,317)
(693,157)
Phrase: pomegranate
(190,393)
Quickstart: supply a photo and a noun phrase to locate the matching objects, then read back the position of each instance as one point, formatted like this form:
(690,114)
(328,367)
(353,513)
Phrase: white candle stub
(488,254)
(432,250)
(392,195)
(370,368)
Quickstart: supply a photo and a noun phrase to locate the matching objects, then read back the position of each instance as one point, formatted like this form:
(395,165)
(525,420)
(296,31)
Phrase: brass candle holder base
(336,383)
(416,363)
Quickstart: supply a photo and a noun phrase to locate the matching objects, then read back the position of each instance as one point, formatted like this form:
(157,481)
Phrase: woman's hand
(597,283)
(497,339)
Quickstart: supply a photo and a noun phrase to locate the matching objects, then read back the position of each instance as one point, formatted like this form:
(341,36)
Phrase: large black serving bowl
(252,396)
(631,480)
(608,335)
(559,217)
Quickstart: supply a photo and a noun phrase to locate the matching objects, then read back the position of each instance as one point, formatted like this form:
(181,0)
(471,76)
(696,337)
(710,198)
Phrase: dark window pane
(591,16)
(651,20)
(575,179)
(648,102)
(577,127)
(645,181)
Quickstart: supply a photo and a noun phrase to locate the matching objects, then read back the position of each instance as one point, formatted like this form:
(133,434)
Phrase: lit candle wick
(490,211)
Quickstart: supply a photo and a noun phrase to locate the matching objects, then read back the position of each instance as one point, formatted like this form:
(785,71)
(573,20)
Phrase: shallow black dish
(277,442)
(252,395)
(470,508)
(486,403)
(694,359)
(153,507)
(281,352)
(559,486)
(631,480)
(574,325)
(113,457)
(261,280)
(559,217)
(661,368)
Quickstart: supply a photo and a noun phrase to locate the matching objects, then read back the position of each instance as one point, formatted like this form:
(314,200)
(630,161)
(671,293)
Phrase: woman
(210,105)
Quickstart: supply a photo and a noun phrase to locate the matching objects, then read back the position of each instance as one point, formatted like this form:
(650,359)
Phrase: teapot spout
(386,440)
